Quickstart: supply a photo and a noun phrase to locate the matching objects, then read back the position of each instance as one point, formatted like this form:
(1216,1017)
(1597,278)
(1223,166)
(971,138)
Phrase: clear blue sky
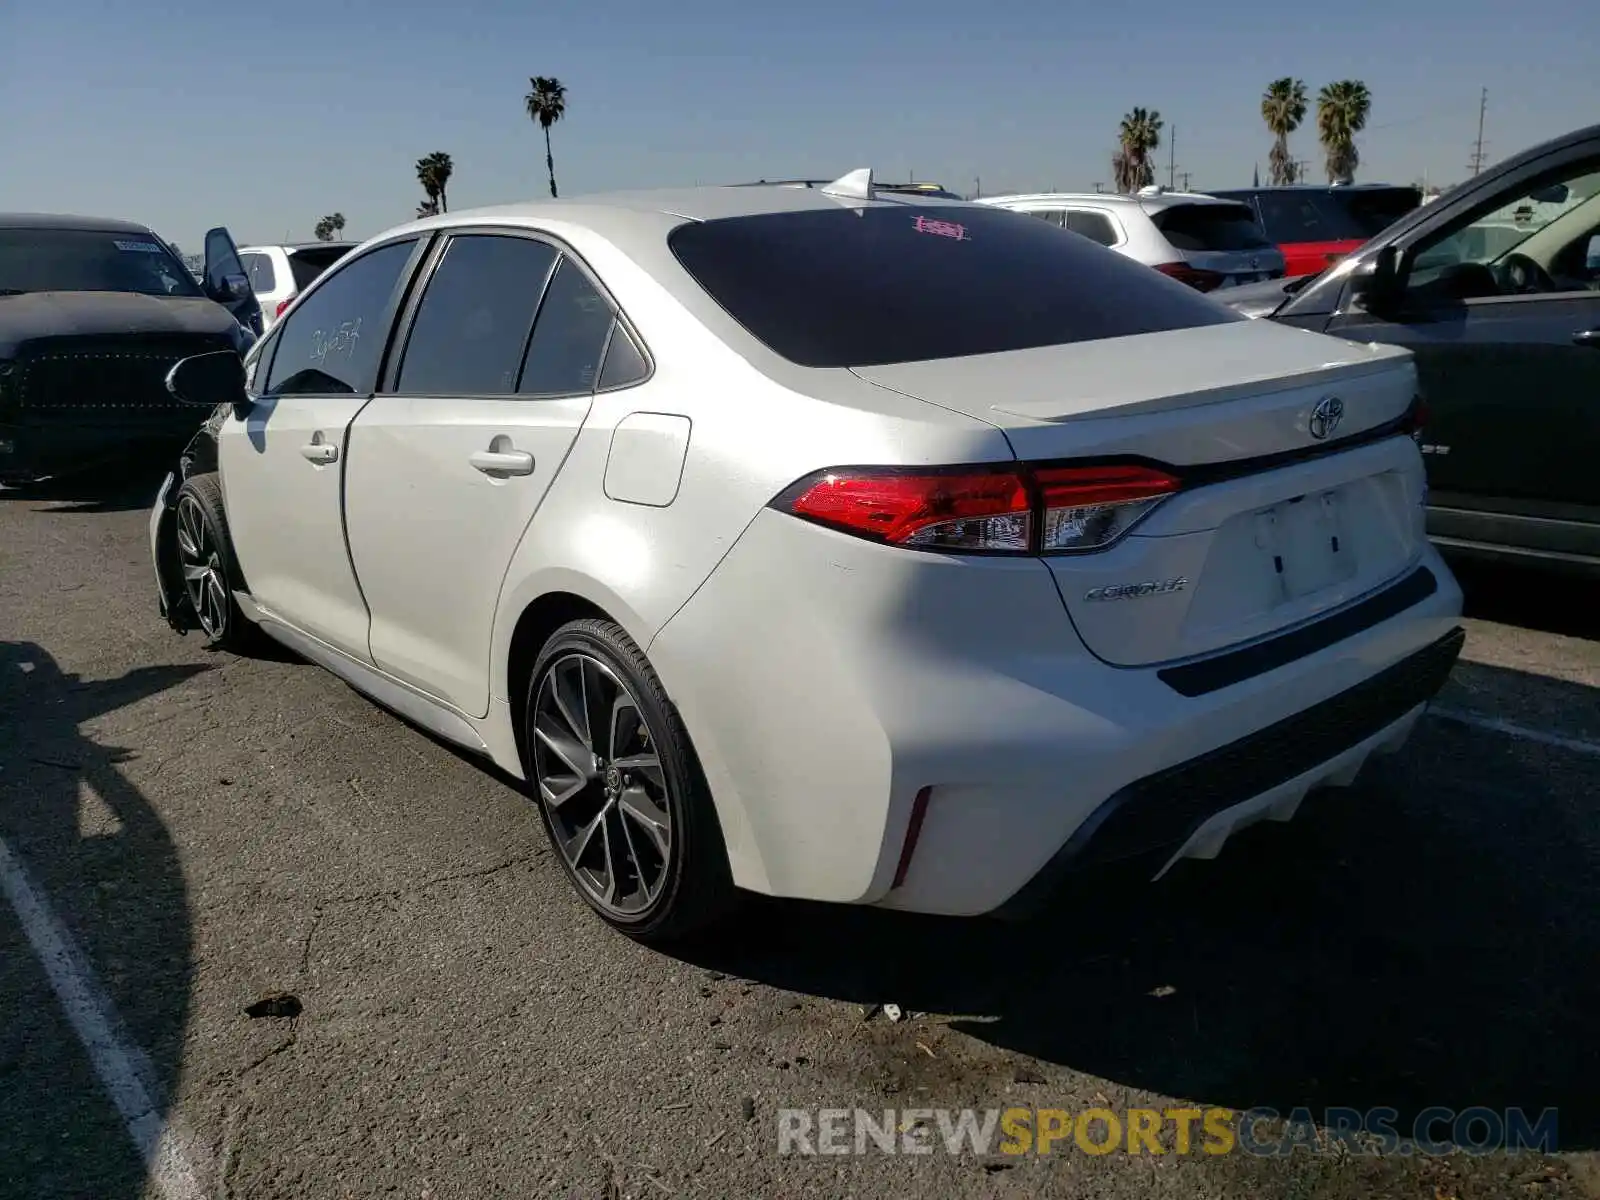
(265,114)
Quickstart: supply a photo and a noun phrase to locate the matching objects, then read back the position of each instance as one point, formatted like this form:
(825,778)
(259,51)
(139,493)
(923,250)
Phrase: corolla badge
(1325,417)
(1132,591)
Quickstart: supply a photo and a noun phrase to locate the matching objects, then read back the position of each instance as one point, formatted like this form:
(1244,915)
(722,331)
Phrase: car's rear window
(866,286)
(1331,214)
(1202,227)
(310,261)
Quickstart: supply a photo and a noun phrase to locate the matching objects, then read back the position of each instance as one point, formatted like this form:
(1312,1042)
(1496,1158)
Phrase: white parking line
(1512,729)
(169,1153)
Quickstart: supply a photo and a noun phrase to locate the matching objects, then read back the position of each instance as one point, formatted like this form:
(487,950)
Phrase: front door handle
(1587,337)
(320,452)
(503,462)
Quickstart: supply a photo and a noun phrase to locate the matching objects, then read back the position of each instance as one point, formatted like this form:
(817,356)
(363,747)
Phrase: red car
(1315,225)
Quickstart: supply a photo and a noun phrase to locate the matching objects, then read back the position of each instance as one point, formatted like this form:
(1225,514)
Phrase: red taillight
(1087,508)
(1417,417)
(1204,281)
(972,510)
(282,304)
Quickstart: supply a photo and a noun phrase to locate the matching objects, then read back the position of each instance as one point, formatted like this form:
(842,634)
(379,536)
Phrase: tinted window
(84,260)
(1201,227)
(472,325)
(1095,226)
(845,287)
(308,263)
(1337,215)
(259,268)
(1051,216)
(331,343)
(625,363)
(568,338)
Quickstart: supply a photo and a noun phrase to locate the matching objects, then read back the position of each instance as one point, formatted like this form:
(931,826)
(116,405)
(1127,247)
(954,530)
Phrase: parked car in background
(1056,568)
(1316,225)
(280,273)
(93,314)
(1495,288)
(1202,241)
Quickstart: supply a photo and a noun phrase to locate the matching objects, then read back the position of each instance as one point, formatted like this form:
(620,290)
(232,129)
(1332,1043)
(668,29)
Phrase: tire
(657,882)
(202,544)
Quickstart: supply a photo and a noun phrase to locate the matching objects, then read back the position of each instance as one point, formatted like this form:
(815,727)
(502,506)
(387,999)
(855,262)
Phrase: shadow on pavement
(94,846)
(1427,937)
(1531,599)
(118,487)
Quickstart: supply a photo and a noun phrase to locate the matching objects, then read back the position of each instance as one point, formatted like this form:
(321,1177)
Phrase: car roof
(624,216)
(294,247)
(67,221)
(1150,203)
(1319,187)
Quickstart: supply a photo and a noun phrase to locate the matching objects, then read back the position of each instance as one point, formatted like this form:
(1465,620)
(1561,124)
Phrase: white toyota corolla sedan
(859,547)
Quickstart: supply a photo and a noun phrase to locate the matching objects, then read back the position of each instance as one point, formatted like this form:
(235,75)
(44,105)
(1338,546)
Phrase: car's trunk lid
(1274,525)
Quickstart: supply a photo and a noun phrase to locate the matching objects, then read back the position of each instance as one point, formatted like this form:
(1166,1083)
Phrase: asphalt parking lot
(212,831)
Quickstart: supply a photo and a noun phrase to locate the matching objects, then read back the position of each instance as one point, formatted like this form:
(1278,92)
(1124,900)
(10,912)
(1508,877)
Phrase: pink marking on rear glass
(940,228)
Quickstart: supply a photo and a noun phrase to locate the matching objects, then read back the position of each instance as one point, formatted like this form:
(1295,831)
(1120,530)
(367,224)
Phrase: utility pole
(1184,175)
(1172,158)
(1099,187)
(1476,164)
(977,186)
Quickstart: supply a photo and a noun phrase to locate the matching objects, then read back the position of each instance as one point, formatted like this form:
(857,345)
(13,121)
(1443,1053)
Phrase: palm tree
(1342,110)
(1137,136)
(546,103)
(433,173)
(330,227)
(428,208)
(1283,107)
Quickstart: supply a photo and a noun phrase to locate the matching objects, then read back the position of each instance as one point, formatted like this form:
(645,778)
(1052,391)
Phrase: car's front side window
(331,342)
(473,321)
(1536,241)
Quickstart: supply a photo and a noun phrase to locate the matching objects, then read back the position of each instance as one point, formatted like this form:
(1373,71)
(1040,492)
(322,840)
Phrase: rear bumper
(826,682)
(1175,812)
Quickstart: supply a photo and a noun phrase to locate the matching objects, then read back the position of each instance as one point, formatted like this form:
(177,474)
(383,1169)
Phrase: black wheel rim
(201,560)
(601,784)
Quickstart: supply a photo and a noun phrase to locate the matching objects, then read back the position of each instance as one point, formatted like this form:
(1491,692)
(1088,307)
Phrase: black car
(93,314)
(1495,287)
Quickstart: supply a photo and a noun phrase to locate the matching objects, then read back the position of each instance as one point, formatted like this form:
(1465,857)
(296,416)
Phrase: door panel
(282,498)
(497,376)
(1514,401)
(431,533)
(283,464)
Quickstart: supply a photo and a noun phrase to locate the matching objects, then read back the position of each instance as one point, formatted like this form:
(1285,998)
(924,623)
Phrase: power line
(1475,164)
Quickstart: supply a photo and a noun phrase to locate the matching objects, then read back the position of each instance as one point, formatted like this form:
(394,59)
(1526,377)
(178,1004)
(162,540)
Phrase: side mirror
(233,287)
(209,380)
(1376,286)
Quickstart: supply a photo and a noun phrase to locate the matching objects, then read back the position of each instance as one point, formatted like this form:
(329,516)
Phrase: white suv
(1205,242)
(280,273)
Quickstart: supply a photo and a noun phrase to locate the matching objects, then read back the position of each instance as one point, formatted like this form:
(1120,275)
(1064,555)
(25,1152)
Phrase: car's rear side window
(1293,215)
(310,261)
(1201,227)
(865,286)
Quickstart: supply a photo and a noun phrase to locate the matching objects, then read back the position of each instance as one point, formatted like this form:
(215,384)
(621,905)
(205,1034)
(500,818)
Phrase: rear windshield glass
(1332,214)
(312,261)
(855,287)
(87,260)
(1210,227)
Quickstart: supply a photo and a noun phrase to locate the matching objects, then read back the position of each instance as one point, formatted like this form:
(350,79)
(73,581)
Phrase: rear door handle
(503,462)
(1587,337)
(320,452)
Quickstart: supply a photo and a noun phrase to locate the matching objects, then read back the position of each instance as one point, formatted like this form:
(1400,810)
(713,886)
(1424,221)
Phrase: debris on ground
(893,1012)
(1163,991)
(748,1107)
(279,1004)
(868,1011)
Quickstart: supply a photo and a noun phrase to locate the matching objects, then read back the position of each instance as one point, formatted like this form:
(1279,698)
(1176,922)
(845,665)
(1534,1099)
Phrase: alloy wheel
(602,785)
(201,560)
